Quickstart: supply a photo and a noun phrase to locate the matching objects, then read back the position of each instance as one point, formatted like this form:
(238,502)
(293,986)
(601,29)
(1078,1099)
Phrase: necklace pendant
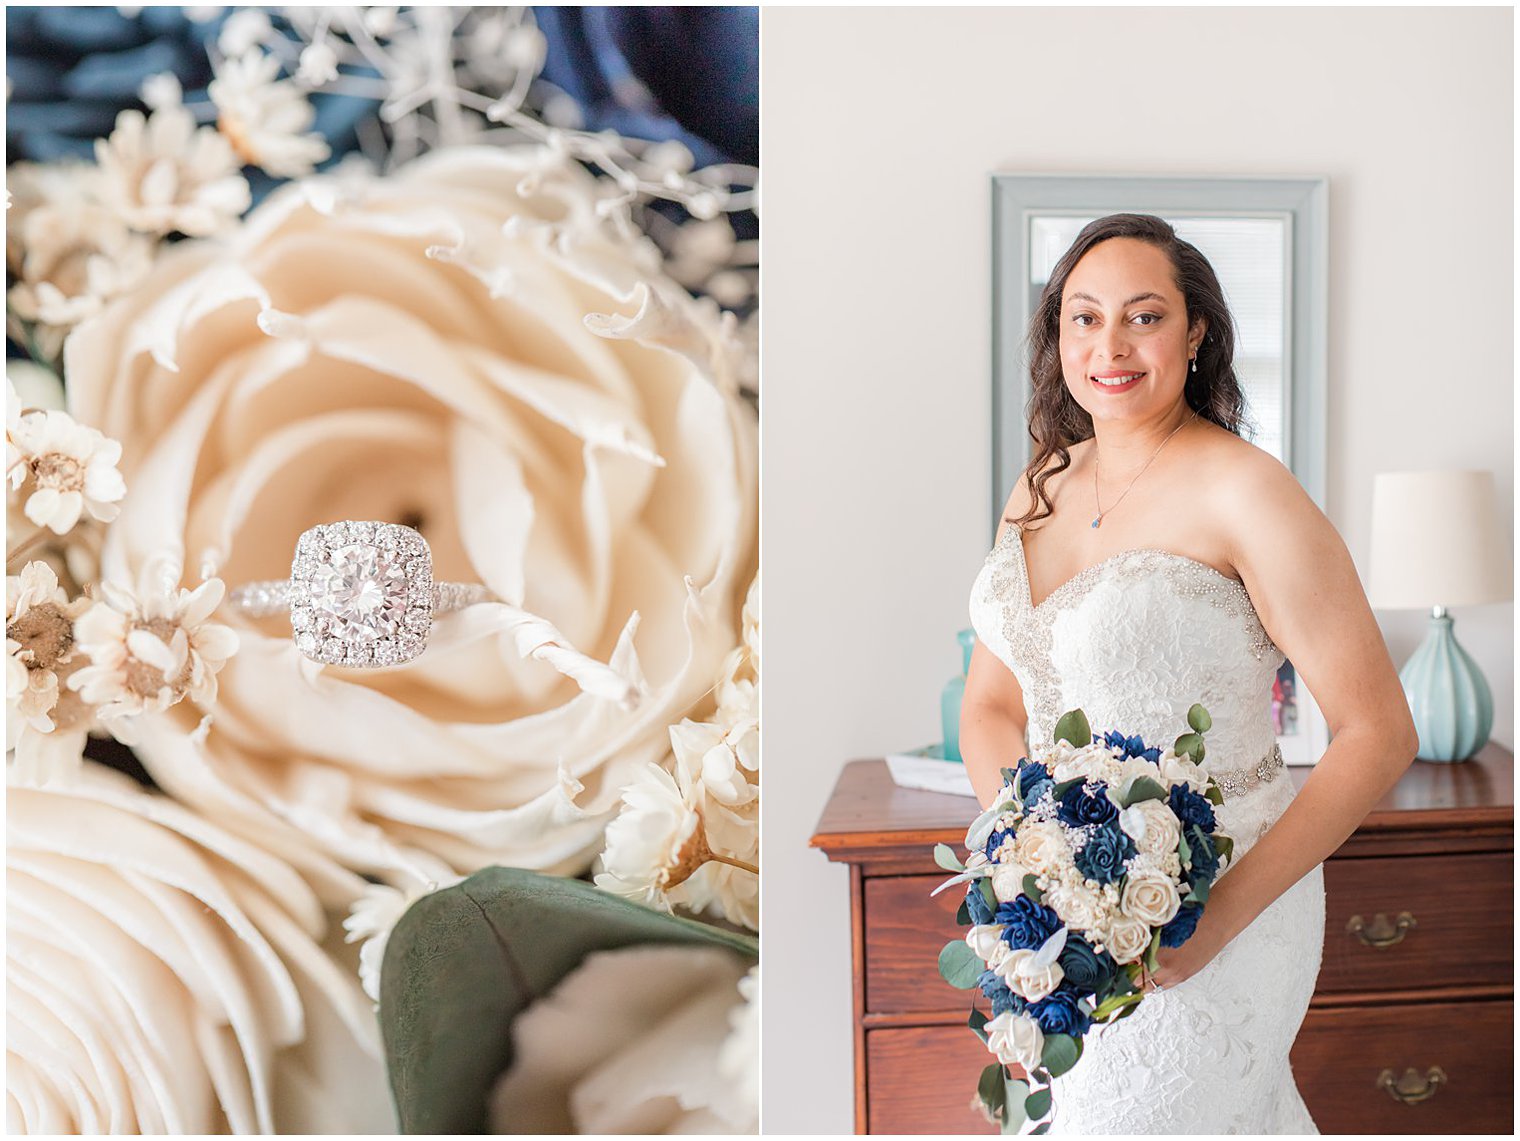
(1098,520)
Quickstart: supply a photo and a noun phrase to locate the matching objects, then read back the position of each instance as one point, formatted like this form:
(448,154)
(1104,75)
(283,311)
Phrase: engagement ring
(359,594)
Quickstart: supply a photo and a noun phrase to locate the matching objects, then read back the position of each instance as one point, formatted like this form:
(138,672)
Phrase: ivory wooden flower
(469,346)
(164,977)
(266,120)
(63,470)
(161,174)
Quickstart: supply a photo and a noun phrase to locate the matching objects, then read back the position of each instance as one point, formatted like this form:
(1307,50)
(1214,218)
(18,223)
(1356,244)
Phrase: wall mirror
(1267,239)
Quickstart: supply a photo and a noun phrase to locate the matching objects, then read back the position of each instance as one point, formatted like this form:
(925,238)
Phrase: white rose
(1016,1039)
(1126,938)
(463,342)
(1024,978)
(1079,906)
(1008,880)
(1160,831)
(165,977)
(985,938)
(1181,770)
(1150,898)
(1041,847)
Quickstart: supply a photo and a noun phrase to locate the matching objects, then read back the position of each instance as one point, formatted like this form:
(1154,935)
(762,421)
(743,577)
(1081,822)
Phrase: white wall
(880,129)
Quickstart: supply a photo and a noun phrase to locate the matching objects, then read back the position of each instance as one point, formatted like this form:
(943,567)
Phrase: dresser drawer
(1462,912)
(922,1079)
(905,931)
(1340,1054)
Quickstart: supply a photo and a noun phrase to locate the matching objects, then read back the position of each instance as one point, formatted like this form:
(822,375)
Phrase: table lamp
(1439,541)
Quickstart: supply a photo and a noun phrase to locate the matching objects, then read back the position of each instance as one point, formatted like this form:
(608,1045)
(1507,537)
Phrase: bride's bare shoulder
(1247,485)
(1021,499)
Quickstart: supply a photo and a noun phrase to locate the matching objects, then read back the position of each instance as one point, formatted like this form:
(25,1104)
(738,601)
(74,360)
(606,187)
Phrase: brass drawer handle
(1380,933)
(1412,1089)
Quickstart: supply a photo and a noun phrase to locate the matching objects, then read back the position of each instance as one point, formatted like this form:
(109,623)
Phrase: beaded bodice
(1134,641)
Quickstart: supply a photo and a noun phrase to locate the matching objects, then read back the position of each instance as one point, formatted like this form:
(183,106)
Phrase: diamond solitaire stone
(368,587)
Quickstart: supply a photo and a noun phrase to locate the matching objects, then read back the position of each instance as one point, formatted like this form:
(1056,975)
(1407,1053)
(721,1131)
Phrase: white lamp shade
(1437,540)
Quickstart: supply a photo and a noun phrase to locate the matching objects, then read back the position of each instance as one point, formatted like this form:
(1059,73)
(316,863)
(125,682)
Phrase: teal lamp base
(1452,706)
(950,699)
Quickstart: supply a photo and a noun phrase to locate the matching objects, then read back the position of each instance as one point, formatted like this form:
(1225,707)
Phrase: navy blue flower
(1086,804)
(1001,997)
(976,905)
(1182,926)
(1103,857)
(1205,856)
(995,841)
(1087,971)
(1132,746)
(1060,1013)
(1033,777)
(1028,923)
(1190,808)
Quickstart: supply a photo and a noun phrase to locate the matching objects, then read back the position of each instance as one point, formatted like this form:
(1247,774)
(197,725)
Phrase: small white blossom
(162,174)
(656,842)
(151,650)
(319,64)
(161,90)
(69,468)
(266,119)
(243,31)
(45,733)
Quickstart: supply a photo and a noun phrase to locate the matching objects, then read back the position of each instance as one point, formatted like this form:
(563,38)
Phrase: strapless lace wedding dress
(1134,641)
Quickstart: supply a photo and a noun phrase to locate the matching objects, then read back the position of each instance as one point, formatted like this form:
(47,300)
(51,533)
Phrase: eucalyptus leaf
(1073,727)
(1040,1130)
(990,1088)
(464,962)
(1150,951)
(1032,889)
(946,858)
(1014,1092)
(963,914)
(1184,849)
(1199,720)
(1061,788)
(1142,789)
(1060,1054)
(1213,794)
(1200,892)
(1188,745)
(1037,1104)
(1010,776)
(978,1023)
(959,965)
(989,897)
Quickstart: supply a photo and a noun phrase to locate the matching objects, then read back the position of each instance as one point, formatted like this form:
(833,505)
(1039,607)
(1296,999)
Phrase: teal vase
(1452,706)
(950,699)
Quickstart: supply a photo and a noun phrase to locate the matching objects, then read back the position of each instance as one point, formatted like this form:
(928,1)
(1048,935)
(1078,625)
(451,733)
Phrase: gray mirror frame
(1302,200)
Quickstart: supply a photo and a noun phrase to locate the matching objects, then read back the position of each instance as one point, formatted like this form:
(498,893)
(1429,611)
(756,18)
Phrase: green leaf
(1061,788)
(1188,745)
(1143,788)
(465,961)
(1060,1054)
(1213,794)
(990,1088)
(1010,776)
(989,897)
(1150,951)
(1199,720)
(945,857)
(1014,1091)
(1040,1130)
(963,914)
(1184,849)
(978,1024)
(1224,845)
(959,965)
(1200,892)
(1037,1104)
(1032,889)
(1073,727)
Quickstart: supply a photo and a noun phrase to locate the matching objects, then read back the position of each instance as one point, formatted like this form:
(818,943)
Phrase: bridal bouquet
(1097,852)
(275,270)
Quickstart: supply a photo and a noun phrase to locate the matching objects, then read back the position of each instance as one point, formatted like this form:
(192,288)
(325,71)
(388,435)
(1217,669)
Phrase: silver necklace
(1096,522)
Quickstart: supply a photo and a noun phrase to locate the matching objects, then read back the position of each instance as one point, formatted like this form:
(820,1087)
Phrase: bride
(1150,558)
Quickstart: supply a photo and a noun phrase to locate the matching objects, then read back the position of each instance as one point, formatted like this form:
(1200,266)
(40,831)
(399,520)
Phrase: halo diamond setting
(361,594)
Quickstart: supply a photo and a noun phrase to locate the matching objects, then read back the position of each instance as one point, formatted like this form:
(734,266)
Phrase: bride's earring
(1195,362)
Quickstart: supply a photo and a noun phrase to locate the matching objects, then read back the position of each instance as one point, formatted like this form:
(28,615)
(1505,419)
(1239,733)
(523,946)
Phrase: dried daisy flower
(656,842)
(151,651)
(69,467)
(161,174)
(265,119)
(44,724)
(67,252)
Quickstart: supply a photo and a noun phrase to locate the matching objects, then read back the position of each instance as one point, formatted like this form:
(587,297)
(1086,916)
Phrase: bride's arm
(992,722)
(1306,590)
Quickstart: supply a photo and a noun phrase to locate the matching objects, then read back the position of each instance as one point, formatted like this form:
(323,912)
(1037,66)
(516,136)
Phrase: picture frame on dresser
(1394,1041)
(1268,238)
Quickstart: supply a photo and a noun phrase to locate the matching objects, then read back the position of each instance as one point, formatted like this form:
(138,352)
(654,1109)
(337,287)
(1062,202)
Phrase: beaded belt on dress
(1237,782)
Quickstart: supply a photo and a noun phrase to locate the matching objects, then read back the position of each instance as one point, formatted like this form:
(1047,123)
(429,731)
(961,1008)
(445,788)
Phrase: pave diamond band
(359,594)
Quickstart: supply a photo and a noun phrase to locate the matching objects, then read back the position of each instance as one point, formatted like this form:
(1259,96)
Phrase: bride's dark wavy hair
(1056,420)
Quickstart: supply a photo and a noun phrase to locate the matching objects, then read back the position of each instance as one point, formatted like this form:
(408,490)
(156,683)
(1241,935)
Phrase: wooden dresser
(1410,1029)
